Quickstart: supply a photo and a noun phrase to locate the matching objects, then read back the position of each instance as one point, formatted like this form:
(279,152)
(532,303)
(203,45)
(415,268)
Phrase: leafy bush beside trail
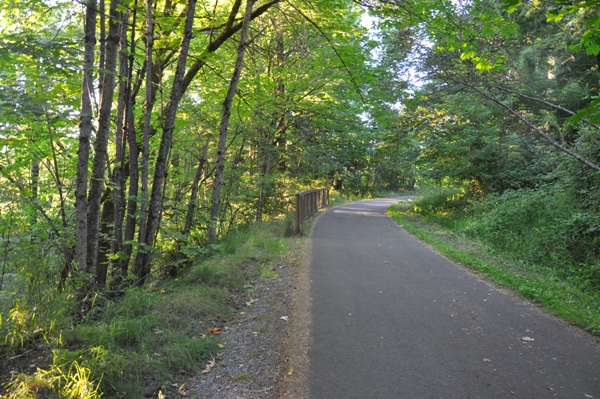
(543,227)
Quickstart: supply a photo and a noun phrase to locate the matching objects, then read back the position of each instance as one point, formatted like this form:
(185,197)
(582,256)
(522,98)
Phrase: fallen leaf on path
(285,318)
(250,302)
(215,330)
(527,339)
(209,366)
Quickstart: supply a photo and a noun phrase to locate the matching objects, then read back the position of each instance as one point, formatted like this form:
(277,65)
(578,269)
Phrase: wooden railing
(309,202)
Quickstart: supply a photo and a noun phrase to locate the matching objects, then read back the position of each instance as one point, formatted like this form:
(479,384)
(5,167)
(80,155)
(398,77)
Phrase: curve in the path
(393,319)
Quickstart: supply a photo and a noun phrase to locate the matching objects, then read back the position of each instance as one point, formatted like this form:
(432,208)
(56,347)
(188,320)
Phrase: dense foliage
(505,117)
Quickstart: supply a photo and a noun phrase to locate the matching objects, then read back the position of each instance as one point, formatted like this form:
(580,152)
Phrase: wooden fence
(309,202)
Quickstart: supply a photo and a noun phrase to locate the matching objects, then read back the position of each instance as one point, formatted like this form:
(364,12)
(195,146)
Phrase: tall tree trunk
(149,104)
(132,193)
(55,172)
(120,143)
(104,241)
(120,273)
(262,190)
(102,46)
(85,131)
(226,113)
(35,184)
(281,124)
(142,264)
(194,194)
(101,145)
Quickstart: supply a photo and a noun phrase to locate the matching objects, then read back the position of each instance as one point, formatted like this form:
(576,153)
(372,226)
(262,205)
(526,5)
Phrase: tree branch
(318,28)
(536,129)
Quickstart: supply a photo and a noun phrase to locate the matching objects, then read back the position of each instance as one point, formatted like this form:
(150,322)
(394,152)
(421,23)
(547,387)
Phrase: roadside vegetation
(533,242)
(130,343)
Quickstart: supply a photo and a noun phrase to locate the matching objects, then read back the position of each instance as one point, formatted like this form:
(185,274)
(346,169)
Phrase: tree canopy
(136,135)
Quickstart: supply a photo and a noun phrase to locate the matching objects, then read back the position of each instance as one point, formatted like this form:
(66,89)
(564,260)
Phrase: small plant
(77,383)
(267,271)
(440,201)
(242,377)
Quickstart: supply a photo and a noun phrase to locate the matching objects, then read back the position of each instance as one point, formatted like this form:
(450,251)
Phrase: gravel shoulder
(265,346)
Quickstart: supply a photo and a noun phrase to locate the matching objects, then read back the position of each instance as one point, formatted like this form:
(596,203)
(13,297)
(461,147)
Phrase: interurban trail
(391,318)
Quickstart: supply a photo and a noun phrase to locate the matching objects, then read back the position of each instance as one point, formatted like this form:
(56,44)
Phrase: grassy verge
(134,344)
(569,299)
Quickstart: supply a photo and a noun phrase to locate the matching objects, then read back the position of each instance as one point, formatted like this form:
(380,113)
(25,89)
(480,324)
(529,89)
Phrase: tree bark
(85,131)
(132,193)
(148,105)
(102,46)
(120,144)
(35,184)
(226,113)
(120,273)
(104,241)
(194,194)
(101,145)
(142,265)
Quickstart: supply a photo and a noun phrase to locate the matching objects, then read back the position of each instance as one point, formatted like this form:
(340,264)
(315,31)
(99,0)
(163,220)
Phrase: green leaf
(593,49)
(410,104)
(466,55)
(511,5)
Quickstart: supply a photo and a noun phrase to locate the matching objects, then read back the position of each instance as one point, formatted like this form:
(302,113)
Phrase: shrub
(441,201)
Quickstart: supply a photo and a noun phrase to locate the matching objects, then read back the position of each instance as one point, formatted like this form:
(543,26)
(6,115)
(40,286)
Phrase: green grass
(570,299)
(148,337)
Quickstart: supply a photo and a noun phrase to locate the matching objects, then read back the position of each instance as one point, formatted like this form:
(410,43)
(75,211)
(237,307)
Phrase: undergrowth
(151,337)
(527,241)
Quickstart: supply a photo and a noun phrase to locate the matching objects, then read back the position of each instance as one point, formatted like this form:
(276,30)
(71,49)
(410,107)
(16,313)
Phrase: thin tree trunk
(104,241)
(142,264)
(226,113)
(264,170)
(55,172)
(101,145)
(120,142)
(149,104)
(130,134)
(102,47)
(35,184)
(53,169)
(85,131)
(132,193)
(194,194)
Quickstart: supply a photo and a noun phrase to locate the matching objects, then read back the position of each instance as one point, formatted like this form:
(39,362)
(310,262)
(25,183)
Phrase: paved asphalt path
(393,319)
